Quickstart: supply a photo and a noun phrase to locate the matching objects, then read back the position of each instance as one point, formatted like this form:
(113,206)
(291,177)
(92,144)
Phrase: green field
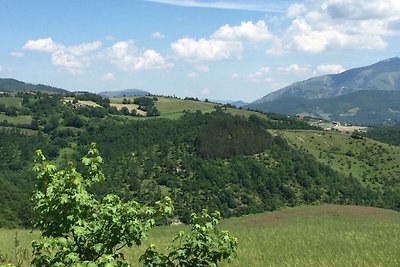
(20,119)
(11,101)
(326,235)
(365,159)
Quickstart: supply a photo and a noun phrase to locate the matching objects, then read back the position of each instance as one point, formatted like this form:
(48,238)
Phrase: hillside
(361,107)
(373,163)
(367,96)
(383,75)
(15,85)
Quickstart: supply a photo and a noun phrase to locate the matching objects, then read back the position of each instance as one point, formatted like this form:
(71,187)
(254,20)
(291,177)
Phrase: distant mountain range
(124,93)
(368,95)
(13,85)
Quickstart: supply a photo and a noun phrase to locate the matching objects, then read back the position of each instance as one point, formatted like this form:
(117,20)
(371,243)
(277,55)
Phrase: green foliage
(205,246)
(78,229)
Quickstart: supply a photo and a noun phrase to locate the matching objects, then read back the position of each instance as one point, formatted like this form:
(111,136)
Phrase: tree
(204,247)
(80,230)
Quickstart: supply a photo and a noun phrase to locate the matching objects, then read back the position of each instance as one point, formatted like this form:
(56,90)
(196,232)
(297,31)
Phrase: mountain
(367,107)
(123,93)
(384,75)
(368,96)
(9,84)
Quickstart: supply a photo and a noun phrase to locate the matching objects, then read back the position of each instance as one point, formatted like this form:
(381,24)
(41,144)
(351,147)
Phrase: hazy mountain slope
(384,75)
(9,84)
(361,107)
(123,93)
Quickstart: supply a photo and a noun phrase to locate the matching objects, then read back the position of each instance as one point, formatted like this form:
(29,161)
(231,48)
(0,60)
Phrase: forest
(216,160)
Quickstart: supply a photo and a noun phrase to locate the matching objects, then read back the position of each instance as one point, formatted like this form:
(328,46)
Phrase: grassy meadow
(326,235)
(11,101)
(365,159)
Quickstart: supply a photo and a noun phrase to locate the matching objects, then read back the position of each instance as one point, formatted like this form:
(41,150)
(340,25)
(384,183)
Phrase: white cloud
(73,59)
(259,6)
(330,69)
(206,49)
(43,45)
(192,74)
(296,69)
(17,54)
(331,25)
(205,91)
(69,62)
(124,56)
(259,75)
(1,68)
(108,77)
(82,49)
(246,31)
(157,35)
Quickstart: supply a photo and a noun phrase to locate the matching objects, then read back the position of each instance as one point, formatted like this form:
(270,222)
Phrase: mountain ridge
(10,84)
(383,75)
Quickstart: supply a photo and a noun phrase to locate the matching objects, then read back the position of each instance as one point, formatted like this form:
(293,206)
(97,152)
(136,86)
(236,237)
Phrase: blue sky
(236,50)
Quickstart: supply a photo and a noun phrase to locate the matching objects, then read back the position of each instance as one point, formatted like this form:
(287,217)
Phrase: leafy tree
(80,230)
(205,246)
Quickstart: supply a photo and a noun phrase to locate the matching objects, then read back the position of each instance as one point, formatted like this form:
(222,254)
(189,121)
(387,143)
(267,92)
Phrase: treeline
(387,134)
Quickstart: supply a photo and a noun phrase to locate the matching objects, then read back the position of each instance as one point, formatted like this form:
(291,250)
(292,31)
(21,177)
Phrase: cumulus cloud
(157,35)
(69,58)
(331,25)
(296,69)
(225,43)
(246,31)
(124,56)
(108,77)
(259,75)
(206,49)
(330,69)
(43,45)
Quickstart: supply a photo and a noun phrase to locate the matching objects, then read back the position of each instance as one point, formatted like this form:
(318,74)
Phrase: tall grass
(327,235)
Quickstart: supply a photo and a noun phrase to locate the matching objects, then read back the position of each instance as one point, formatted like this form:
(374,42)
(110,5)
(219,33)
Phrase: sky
(214,49)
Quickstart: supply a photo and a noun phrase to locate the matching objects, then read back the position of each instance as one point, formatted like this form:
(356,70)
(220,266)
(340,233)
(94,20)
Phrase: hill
(124,93)
(364,159)
(366,107)
(18,86)
(366,96)
(383,75)
(321,235)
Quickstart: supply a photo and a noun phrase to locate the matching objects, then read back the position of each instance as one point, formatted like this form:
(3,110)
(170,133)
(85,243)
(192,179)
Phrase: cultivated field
(326,235)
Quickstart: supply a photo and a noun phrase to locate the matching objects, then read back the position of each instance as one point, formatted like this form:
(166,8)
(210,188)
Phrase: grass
(20,119)
(326,235)
(11,101)
(365,159)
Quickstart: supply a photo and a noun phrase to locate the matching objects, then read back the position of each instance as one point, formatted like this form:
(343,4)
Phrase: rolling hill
(13,85)
(367,95)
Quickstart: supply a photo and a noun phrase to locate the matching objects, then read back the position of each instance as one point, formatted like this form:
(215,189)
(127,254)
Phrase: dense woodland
(214,160)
